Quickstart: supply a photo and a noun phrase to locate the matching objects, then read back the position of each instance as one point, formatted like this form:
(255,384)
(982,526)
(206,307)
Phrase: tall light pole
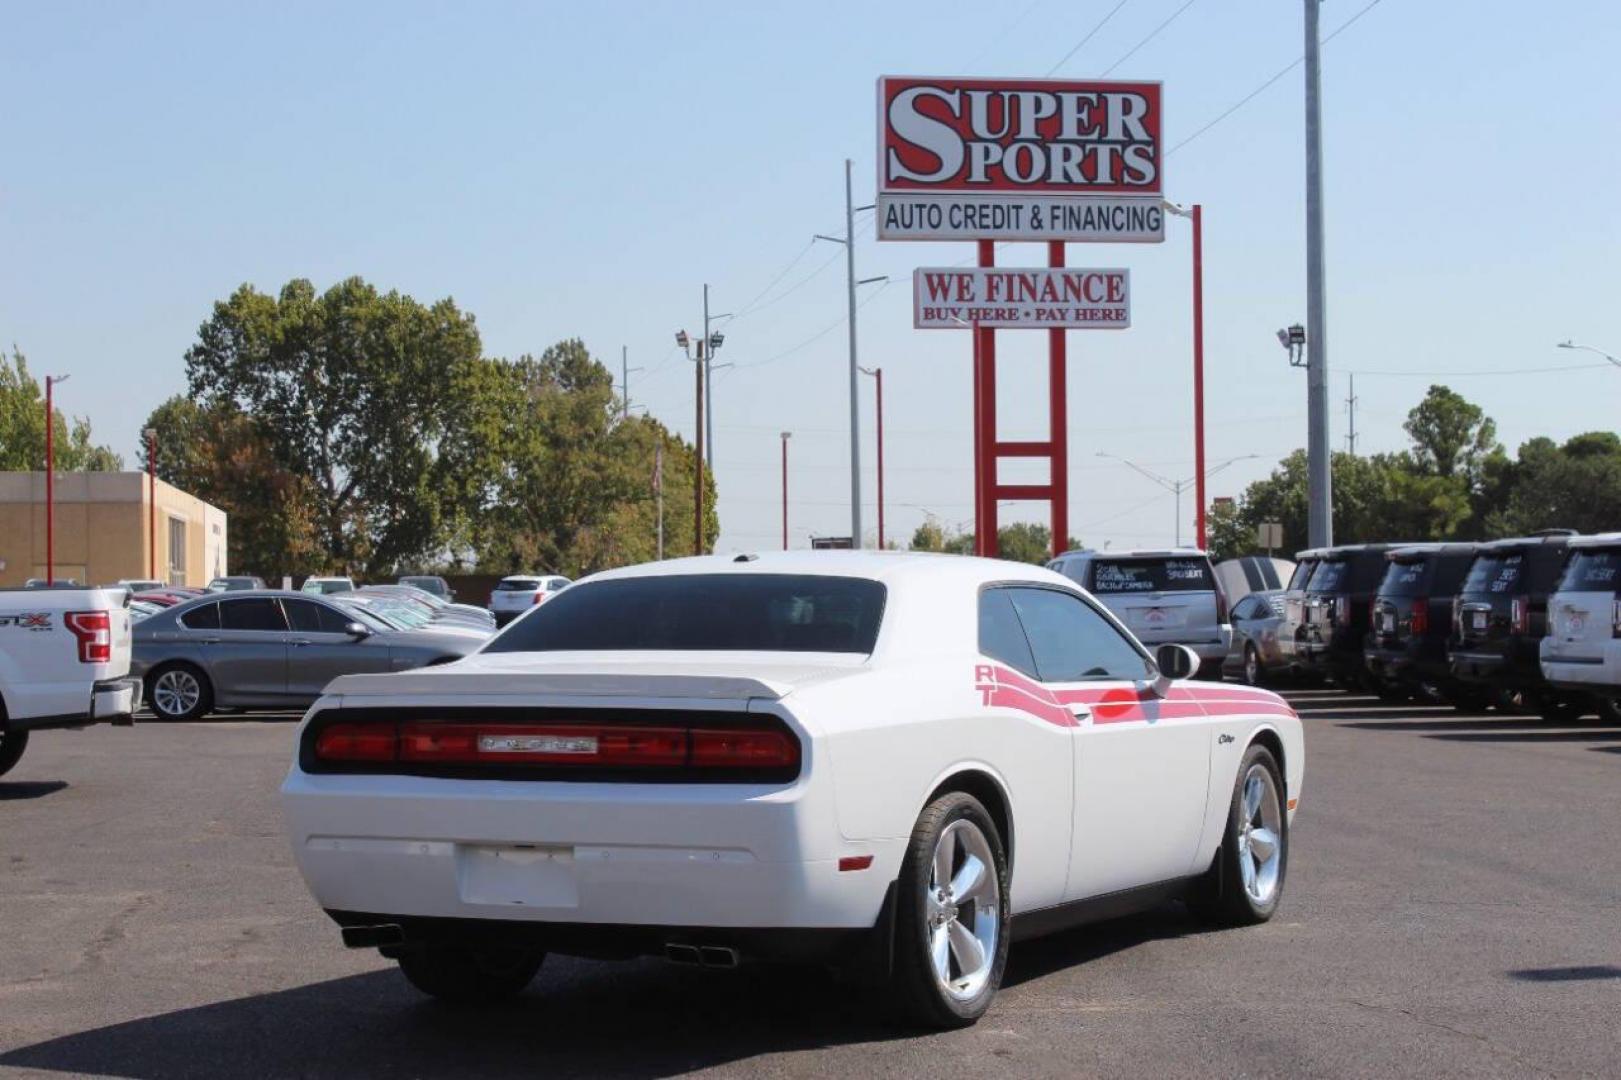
(152,502)
(878,377)
(1177,487)
(685,344)
(715,338)
(1568,344)
(1320,476)
(785,437)
(50,478)
(1197,215)
(850,283)
(624,373)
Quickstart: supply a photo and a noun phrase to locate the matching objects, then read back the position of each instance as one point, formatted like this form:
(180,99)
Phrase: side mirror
(1175,662)
(358,630)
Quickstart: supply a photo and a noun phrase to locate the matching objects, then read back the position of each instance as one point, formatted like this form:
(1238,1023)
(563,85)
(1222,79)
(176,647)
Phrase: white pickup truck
(64,662)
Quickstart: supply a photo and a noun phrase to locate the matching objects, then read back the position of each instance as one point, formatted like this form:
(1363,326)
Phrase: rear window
(1406,578)
(705,612)
(1151,575)
(1494,574)
(517,585)
(206,617)
(1329,576)
(1592,570)
(1303,569)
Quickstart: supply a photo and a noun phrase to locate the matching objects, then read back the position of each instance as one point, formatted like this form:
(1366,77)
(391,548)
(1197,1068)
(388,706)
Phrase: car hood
(438,642)
(703,675)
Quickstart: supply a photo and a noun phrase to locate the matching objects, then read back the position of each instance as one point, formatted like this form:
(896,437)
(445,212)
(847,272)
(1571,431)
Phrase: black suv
(1334,613)
(1500,618)
(1411,617)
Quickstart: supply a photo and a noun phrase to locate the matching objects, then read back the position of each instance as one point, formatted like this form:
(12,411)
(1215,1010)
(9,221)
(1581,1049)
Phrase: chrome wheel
(1260,835)
(1252,666)
(176,692)
(963,905)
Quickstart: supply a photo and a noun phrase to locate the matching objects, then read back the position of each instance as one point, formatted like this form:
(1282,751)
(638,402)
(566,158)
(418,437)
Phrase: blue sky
(582,170)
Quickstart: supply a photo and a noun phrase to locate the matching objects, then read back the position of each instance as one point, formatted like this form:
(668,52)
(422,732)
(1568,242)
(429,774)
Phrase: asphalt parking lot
(1453,908)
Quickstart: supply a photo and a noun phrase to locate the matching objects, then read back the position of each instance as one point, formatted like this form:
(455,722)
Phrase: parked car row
(1529,623)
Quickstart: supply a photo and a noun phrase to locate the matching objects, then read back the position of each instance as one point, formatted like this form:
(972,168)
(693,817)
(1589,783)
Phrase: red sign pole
(1198,369)
(1058,423)
(878,375)
(50,488)
(985,530)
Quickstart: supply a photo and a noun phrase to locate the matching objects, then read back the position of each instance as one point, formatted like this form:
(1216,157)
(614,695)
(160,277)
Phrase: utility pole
(855,388)
(658,491)
(1350,410)
(624,386)
(785,437)
(1320,504)
(707,430)
(698,444)
(50,479)
(849,242)
(152,502)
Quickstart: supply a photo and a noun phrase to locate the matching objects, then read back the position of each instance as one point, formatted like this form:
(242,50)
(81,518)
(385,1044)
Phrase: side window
(556,584)
(1248,608)
(257,613)
(1000,635)
(206,617)
(1071,642)
(312,618)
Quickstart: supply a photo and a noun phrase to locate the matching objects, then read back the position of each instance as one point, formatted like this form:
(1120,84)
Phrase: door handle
(300,641)
(1079,711)
(208,641)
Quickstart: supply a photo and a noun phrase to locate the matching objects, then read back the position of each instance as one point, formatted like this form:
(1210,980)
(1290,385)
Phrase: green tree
(355,391)
(1451,436)
(1574,486)
(22,427)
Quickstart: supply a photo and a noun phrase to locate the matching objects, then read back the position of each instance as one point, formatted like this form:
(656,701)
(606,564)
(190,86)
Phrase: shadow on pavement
(1044,956)
(1583,973)
(1485,724)
(1612,732)
(636,1020)
(30,789)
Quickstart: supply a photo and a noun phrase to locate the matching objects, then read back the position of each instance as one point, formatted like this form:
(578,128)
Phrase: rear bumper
(640,855)
(1495,668)
(1597,668)
(111,700)
(1409,664)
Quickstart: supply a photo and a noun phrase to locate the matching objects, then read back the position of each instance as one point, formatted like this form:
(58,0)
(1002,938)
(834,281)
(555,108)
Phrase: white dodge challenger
(892,764)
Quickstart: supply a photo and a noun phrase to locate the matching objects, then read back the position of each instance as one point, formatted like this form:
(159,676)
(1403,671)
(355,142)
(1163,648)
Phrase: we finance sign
(1019,159)
(1021,298)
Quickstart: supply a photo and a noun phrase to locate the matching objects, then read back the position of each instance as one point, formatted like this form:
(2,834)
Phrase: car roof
(1610,539)
(1410,550)
(890,567)
(1141,553)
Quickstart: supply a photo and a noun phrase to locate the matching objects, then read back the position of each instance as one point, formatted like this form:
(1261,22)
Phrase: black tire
(1609,710)
(1467,698)
(919,994)
(1559,708)
(12,745)
(468,974)
(157,687)
(1221,897)
(1394,693)
(1254,670)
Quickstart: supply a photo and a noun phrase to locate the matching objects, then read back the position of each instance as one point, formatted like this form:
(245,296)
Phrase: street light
(50,478)
(1294,340)
(152,502)
(1568,344)
(682,340)
(1176,487)
(878,376)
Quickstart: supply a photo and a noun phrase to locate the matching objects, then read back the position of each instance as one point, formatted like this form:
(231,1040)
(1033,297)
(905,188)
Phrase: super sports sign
(1019,159)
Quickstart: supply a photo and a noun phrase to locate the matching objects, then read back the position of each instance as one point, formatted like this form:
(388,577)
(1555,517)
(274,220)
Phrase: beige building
(103,526)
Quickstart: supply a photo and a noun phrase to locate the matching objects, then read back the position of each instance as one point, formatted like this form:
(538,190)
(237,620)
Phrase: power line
(1151,36)
(1485,371)
(1090,34)
(820,334)
(748,307)
(1253,94)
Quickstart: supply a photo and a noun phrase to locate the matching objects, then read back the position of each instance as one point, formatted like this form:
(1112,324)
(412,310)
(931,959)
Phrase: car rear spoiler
(433,682)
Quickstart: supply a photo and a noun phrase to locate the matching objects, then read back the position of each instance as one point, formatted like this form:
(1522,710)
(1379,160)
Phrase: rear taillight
(1615,623)
(357,742)
(1519,614)
(94,632)
(1221,605)
(538,598)
(554,748)
(1342,610)
(1419,623)
(1457,615)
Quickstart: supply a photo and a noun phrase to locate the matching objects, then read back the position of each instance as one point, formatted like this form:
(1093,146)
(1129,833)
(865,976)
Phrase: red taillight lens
(538,598)
(1342,610)
(1615,625)
(534,744)
(1519,614)
(356,742)
(744,749)
(94,632)
(1420,620)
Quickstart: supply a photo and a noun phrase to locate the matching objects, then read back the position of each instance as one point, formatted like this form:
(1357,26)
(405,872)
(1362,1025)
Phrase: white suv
(1166,596)
(1582,649)
(517,594)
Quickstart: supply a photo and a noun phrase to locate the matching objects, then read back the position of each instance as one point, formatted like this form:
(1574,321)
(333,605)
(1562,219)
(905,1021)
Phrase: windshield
(372,619)
(1329,576)
(705,612)
(1303,569)
(517,585)
(1151,575)
(1592,570)
(1493,574)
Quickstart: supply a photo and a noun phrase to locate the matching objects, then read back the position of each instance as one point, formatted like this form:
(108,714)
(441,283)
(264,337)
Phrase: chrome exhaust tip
(683,954)
(718,956)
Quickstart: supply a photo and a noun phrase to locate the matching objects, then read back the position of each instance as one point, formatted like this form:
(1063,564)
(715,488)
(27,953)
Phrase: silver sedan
(1254,655)
(256,650)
